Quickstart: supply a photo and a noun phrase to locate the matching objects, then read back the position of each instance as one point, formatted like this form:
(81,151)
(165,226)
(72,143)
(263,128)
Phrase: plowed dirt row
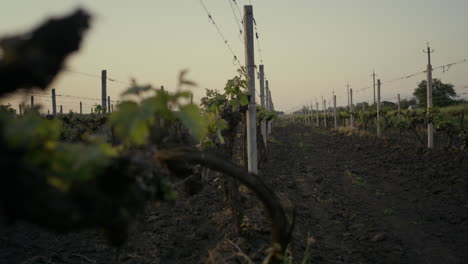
(360,199)
(367,202)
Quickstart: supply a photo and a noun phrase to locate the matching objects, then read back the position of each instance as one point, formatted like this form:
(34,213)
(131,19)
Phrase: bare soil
(362,200)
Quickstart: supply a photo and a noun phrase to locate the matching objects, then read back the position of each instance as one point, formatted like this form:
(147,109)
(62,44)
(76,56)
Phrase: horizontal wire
(220,33)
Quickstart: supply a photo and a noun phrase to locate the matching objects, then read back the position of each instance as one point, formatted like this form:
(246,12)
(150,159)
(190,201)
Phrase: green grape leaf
(193,119)
(130,123)
(244,100)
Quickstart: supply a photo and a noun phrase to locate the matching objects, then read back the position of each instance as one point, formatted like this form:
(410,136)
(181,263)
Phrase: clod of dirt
(378,237)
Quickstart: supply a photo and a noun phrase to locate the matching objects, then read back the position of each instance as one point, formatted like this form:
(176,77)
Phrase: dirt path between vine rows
(362,201)
(367,202)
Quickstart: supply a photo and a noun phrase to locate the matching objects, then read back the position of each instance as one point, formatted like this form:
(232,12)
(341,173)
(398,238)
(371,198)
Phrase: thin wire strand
(239,24)
(220,33)
(96,76)
(238,10)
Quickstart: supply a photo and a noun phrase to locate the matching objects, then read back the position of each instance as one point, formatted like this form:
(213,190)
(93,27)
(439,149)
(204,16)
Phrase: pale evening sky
(310,48)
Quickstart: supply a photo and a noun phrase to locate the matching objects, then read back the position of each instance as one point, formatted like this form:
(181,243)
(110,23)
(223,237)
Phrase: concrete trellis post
(32,101)
(161,119)
(272,108)
(317,112)
(103,90)
(430,128)
(267,104)
(61,110)
(263,125)
(108,104)
(378,108)
(54,103)
(351,112)
(399,109)
(335,120)
(21,109)
(373,82)
(81,108)
(347,90)
(349,107)
(251,112)
(325,112)
(311,113)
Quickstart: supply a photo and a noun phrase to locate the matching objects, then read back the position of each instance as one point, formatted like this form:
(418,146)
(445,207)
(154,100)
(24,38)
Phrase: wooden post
(378,108)
(399,109)
(81,108)
(251,112)
(334,112)
(263,125)
(32,101)
(351,107)
(104,90)
(54,103)
(430,128)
